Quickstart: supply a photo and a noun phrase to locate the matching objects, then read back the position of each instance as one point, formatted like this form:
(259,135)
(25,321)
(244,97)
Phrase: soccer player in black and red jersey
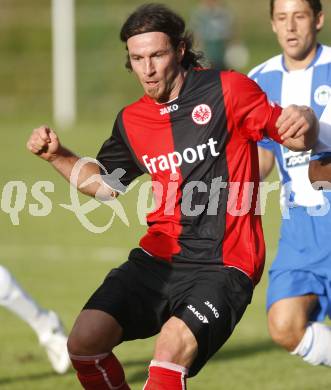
(194,132)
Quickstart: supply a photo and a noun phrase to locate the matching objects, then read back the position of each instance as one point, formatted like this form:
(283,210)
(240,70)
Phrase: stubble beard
(159,95)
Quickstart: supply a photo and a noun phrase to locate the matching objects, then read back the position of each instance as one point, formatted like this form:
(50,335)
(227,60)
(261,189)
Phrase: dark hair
(315,5)
(157,17)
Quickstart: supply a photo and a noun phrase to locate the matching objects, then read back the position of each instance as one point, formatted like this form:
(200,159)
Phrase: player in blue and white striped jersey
(299,292)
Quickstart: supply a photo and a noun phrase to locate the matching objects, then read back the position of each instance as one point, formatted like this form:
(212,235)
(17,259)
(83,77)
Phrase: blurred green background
(58,260)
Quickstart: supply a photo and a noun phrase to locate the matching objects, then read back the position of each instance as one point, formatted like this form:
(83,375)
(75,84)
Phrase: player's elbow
(313,172)
(320,174)
(104,193)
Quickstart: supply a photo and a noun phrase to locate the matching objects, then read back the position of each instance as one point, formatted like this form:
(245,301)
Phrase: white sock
(315,346)
(15,299)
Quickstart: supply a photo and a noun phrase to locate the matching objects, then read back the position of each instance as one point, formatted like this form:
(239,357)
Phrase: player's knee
(176,343)
(94,333)
(5,283)
(82,342)
(284,329)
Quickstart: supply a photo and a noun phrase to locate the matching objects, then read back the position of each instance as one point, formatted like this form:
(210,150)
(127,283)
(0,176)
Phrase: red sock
(101,372)
(166,376)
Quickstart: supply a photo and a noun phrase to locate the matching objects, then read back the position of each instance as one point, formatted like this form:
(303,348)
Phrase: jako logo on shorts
(213,309)
(201,317)
(175,159)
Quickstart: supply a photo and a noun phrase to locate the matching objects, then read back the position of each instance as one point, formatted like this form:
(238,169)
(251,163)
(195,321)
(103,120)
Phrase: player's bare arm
(320,170)
(298,127)
(266,162)
(45,143)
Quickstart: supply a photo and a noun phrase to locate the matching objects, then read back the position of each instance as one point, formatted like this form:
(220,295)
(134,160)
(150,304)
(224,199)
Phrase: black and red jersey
(200,151)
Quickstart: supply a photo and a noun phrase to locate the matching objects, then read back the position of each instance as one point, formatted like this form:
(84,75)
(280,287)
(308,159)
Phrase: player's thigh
(133,295)
(212,307)
(176,343)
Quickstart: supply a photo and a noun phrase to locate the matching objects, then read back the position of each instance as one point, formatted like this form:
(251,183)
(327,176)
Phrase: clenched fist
(295,121)
(44,142)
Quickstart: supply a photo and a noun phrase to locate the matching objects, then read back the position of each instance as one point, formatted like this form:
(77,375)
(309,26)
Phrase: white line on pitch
(58,252)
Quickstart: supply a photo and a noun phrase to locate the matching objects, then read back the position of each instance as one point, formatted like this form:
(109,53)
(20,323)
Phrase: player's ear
(180,52)
(273,26)
(319,21)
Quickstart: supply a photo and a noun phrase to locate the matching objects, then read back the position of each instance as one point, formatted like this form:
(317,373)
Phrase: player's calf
(175,350)
(100,372)
(176,343)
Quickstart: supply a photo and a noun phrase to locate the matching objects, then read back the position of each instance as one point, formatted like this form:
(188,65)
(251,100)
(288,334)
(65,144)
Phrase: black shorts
(144,292)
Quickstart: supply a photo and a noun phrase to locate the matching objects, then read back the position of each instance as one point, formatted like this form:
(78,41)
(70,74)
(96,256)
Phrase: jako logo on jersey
(168,109)
(175,159)
(201,114)
(201,317)
(213,309)
(322,95)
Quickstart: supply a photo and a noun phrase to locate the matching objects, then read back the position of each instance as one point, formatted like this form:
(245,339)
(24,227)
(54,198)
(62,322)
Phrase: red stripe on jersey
(161,239)
(253,114)
(243,244)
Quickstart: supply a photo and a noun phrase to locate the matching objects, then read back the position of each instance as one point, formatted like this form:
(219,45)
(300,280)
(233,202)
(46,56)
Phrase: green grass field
(60,262)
